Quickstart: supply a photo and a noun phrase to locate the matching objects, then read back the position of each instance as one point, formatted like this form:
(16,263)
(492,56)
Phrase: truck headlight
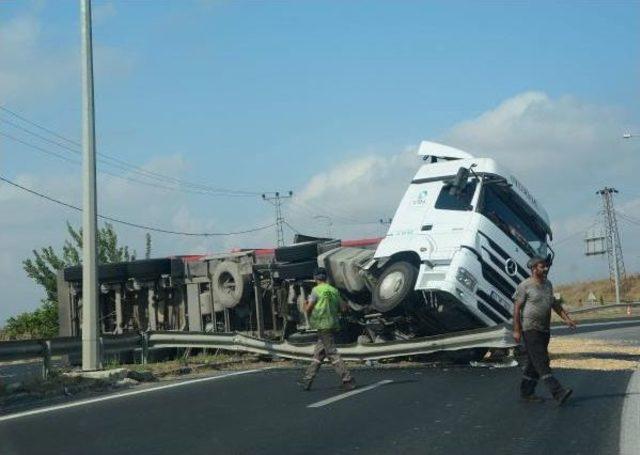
(466,279)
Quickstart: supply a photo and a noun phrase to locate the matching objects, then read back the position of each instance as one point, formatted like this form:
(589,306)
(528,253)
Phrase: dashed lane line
(123,394)
(349,394)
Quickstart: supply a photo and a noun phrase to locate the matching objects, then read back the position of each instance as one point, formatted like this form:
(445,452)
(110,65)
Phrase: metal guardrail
(493,337)
(604,307)
(45,349)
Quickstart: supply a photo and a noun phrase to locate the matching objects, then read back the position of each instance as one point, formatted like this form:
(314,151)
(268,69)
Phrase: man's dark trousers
(537,364)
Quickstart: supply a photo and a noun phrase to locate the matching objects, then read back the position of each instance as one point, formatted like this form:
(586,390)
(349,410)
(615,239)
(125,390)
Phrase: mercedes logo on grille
(511,267)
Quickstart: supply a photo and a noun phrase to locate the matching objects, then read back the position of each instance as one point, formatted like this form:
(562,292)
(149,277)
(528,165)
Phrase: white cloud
(549,141)
(32,68)
(562,148)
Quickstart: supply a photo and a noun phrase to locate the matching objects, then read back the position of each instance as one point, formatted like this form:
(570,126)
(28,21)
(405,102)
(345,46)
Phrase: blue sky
(315,96)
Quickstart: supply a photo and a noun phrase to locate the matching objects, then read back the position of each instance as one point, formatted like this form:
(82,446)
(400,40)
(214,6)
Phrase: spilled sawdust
(585,354)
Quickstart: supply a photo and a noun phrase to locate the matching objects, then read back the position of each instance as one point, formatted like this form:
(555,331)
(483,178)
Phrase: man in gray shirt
(533,302)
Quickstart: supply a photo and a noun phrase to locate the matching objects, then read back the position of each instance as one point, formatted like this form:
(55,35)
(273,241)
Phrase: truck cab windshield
(510,214)
(461,200)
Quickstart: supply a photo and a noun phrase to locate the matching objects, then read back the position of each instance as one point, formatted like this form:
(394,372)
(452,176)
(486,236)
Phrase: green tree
(43,268)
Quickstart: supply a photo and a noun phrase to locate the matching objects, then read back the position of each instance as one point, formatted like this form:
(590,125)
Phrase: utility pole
(275,199)
(610,241)
(90,336)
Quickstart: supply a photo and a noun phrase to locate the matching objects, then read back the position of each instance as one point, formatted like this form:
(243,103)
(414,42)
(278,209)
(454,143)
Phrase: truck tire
(297,252)
(229,284)
(395,286)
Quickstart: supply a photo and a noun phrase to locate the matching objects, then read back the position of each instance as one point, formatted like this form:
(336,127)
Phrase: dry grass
(585,354)
(575,294)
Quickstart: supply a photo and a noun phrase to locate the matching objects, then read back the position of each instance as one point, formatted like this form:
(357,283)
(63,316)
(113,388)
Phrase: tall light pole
(90,336)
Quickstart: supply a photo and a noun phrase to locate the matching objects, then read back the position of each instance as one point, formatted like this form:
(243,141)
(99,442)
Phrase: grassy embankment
(575,295)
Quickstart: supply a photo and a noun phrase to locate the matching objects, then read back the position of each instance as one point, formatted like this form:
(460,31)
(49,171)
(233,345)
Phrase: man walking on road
(533,301)
(323,307)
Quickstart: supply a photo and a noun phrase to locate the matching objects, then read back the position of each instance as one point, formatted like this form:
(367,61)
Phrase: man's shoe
(563,396)
(305,384)
(349,385)
(531,399)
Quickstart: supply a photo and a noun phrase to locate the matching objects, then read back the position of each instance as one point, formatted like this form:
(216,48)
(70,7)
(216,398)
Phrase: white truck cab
(461,236)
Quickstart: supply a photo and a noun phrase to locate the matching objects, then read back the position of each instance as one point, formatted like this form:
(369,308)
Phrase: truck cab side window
(461,201)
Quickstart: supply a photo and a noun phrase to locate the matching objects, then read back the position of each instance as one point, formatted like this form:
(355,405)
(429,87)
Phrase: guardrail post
(101,354)
(258,303)
(46,359)
(145,348)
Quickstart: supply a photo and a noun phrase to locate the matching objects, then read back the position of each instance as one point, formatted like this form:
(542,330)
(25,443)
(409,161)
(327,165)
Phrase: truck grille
(503,254)
(497,281)
(490,314)
(493,303)
(493,259)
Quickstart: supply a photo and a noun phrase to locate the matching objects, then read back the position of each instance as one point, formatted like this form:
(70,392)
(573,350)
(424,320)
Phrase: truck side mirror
(459,181)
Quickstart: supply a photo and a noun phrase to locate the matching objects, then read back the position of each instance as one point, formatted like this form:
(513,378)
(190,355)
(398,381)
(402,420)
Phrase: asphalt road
(457,410)
(626,331)
(436,411)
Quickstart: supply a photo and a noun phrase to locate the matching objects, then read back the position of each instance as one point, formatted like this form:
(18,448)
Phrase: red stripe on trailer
(271,251)
(362,242)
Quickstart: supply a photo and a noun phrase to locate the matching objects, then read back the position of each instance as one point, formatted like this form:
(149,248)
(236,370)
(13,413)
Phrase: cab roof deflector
(428,148)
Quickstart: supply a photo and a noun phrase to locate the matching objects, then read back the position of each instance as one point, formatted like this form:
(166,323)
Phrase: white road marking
(630,418)
(348,394)
(122,395)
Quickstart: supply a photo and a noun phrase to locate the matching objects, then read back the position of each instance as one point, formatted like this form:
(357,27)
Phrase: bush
(41,323)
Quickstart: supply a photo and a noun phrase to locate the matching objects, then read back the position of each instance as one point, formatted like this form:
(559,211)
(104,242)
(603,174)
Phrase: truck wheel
(228,284)
(297,252)
(395,286)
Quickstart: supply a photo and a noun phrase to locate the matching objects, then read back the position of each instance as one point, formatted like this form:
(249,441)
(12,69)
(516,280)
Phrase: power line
(118,162)
(122,177)
(135,225)
(39,126)
(628,217)
(294,230)
(629,220)
(573,235)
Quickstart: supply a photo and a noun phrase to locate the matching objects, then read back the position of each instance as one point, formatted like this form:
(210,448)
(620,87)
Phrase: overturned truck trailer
(454,252)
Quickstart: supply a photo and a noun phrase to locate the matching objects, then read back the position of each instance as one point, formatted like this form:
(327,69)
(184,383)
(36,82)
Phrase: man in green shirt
(323,307)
